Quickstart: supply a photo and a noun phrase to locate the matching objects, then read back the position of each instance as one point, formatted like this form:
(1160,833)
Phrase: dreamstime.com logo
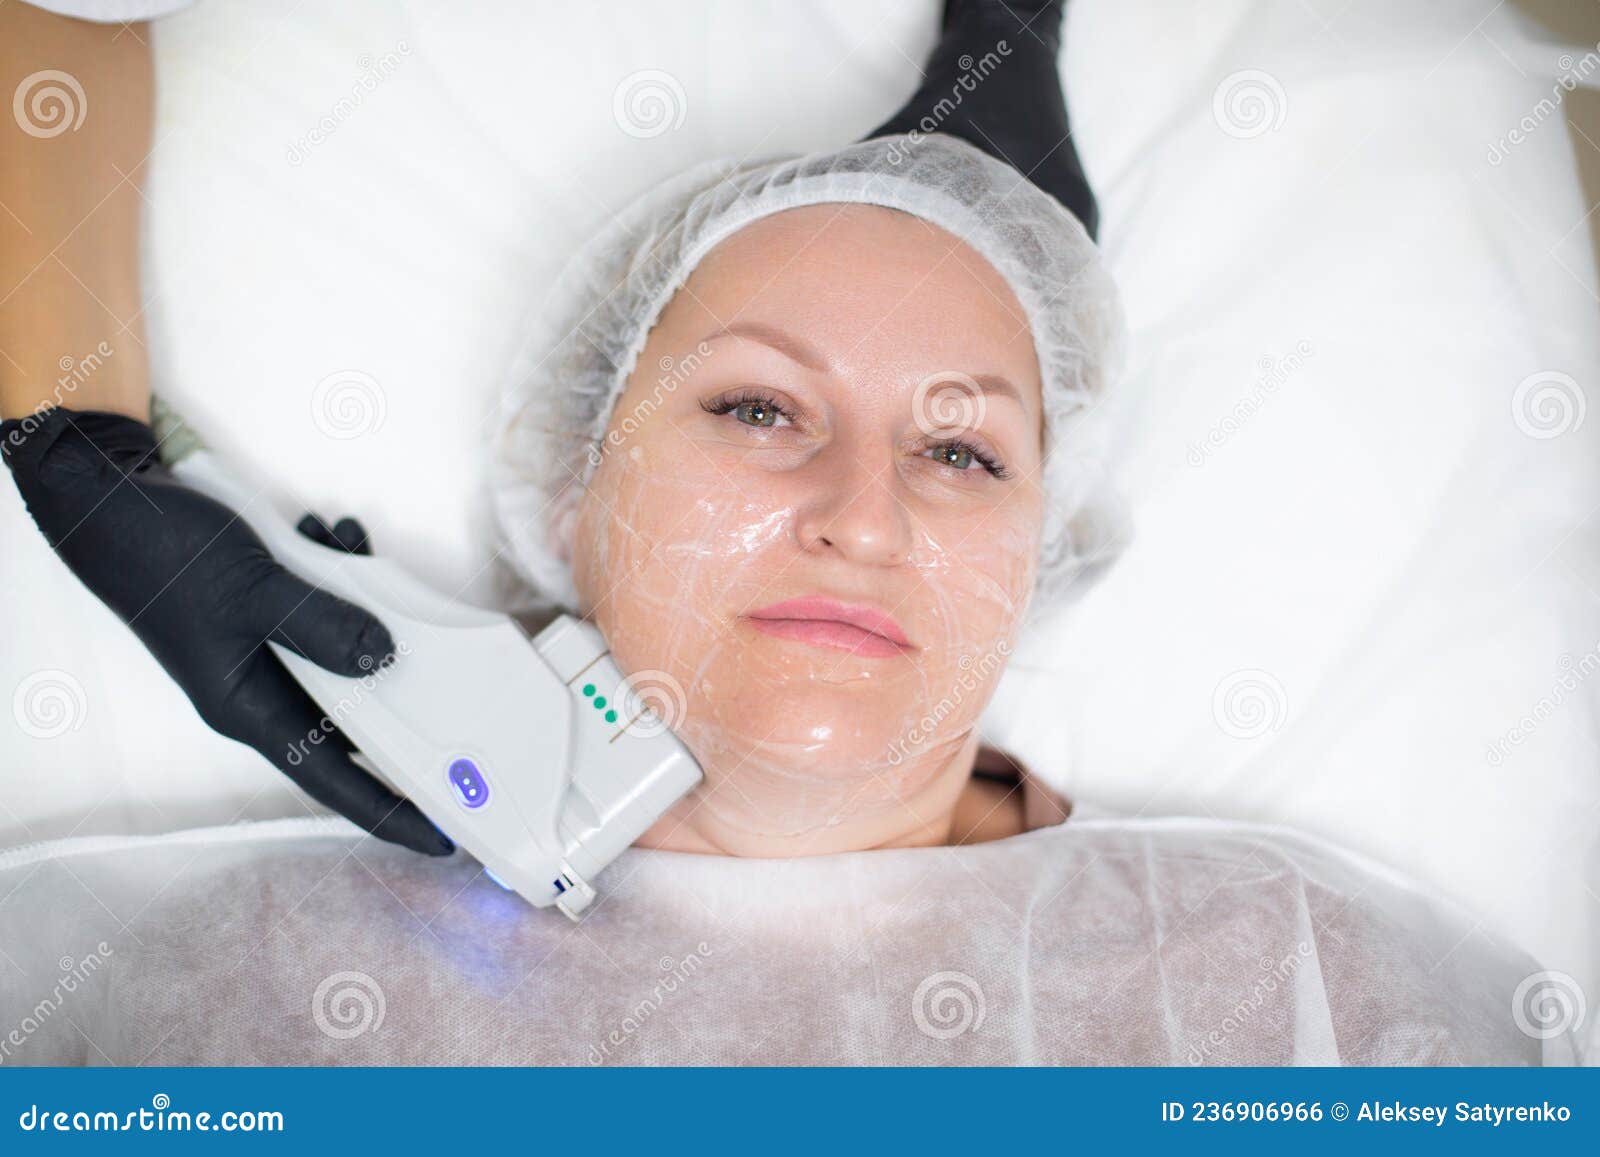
(1574,673)
(48,704)
(648,103)
(974,71)
(363,686)
(1274,974)
(348,1004)
(1249,103)
(160,1117)
(373,73)
(348,404)
(948,1004)
(674,372)
(74,974)
(1548,404)
(975,673)
(947,401)
(1274,372)
(1249,704)
(674,975)
(1548,1004)
(74,372)
(1573,74)
(650,703)
(49,103)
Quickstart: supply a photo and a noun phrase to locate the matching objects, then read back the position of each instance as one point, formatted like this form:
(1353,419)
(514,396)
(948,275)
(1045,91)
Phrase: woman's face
(816,519)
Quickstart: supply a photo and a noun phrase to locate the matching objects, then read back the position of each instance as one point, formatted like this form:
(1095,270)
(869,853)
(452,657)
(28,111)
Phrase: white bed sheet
(1096,942)
(359,202)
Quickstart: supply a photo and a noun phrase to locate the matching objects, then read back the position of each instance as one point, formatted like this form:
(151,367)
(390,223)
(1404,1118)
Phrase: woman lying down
(799,439)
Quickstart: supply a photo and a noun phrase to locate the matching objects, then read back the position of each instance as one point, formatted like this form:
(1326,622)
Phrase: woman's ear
(564,526)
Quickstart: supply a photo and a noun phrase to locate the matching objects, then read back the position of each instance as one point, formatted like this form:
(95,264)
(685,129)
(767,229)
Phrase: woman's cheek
(666,559)
(977,570)
(632,573)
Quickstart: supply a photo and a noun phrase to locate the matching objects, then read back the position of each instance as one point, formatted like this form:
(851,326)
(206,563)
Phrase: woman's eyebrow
(797,349)
(994,384)
(794,348)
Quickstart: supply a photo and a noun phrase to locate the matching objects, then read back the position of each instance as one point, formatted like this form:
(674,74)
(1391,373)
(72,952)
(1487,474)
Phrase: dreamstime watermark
(948,400)
(348,404)
(648,103)
(1548,1004)
(363,686)
(74,372)
(159,1118)
(975,673)
(1548,404)
(49,103)
(1573,74)
(647,703)
(1574,673)
(373,73)
(1274,372)
(73,974)
(674,372)
(1249,103)
(948,1004)
(1249,703)
(1273,974)
(48,704)
(675,974)
(348,1004)
(974,71)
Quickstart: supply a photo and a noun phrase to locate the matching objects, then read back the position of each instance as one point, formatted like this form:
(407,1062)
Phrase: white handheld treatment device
(541,759)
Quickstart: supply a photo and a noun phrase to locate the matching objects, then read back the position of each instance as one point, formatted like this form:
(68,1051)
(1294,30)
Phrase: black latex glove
(199,589)
(1009,105)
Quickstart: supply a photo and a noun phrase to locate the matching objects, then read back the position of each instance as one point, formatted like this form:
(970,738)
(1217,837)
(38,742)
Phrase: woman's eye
(756,414)
(959,457)
(963,457)
(757,411)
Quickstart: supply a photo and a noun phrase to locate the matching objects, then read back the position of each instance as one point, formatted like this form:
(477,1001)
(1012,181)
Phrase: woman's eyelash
(979,455)
(728,403)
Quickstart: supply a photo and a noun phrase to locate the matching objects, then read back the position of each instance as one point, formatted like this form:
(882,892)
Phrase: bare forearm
(71,320)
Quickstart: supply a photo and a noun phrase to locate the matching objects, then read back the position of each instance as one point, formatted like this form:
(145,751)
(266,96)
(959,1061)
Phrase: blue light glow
(498,880)
(470,786)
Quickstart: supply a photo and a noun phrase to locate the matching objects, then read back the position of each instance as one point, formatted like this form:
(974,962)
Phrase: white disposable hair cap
(586,340)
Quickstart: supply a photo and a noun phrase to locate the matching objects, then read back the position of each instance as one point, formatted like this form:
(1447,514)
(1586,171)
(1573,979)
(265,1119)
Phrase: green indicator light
(588,689)
(611,716)
(599,700)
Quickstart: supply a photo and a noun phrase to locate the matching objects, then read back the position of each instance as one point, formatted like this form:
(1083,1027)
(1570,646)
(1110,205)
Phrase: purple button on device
(470,786)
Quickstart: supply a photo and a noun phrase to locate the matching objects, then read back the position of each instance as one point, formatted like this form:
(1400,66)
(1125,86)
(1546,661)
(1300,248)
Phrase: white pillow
(353,208)
(1361,592)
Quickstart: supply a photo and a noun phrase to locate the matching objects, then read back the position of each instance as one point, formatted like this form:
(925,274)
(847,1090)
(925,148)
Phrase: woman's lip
(830,633)
(829,623)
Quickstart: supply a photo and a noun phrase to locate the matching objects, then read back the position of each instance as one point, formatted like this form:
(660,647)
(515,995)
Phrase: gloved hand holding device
(199,589)
(191,579)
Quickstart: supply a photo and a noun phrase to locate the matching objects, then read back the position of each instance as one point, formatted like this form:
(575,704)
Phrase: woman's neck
(740,811)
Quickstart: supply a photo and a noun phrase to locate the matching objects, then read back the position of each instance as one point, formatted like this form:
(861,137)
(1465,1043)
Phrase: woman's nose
(856,513)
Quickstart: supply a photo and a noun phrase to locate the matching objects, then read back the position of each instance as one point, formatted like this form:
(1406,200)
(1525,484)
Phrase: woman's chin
(874,743)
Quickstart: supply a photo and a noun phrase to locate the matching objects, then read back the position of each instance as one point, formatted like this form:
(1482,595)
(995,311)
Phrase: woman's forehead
(866,288)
